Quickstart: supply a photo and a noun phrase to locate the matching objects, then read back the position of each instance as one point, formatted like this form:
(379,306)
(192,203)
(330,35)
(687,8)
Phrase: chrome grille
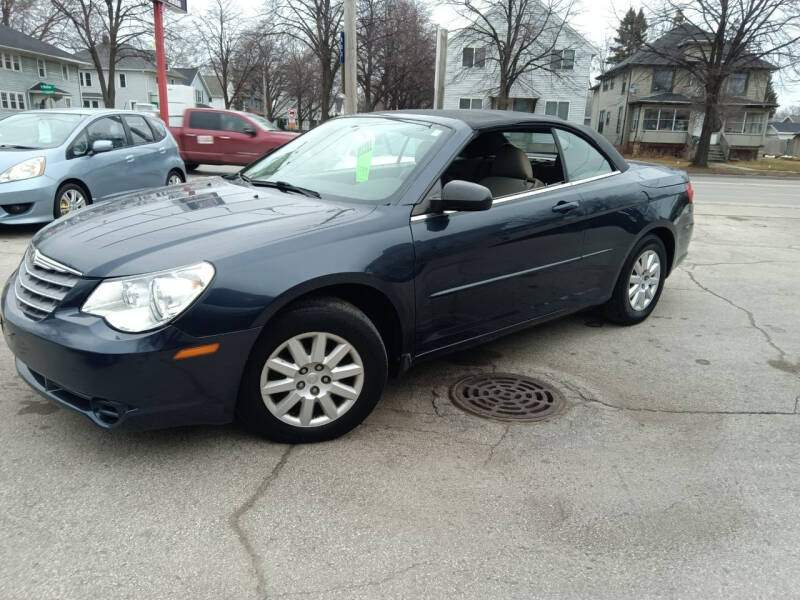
(42,284)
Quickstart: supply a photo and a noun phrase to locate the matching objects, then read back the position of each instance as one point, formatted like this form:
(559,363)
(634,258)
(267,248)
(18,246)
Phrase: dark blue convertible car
(287,293)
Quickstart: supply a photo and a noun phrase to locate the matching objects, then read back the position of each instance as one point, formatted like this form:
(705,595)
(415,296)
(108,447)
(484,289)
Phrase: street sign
(292,114)
(174,5)
(47,88)
(341,47)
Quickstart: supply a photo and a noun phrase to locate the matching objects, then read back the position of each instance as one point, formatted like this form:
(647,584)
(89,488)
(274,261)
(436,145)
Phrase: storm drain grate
(506,397)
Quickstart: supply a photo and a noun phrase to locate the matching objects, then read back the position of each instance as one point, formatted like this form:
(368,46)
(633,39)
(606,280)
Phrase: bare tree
(518,38)
(722,37)
(32,17)
(105,28)
(304,90)
(315,24)
(269,75)
(397,46)
(225,38)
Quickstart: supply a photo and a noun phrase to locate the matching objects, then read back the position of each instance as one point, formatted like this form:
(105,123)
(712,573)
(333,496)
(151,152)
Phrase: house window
(123,80)
(12,100)
(611,84)
(86,79)
(562,60)
(663,80)
(557,109)
(737,83)
(473,103)
(91,104)
(619,119)
(198,96)
(622,87)
(12,62)
(41,67)
(745,122)
(605,85)
(68,102)
(635,119)
(665,119)
(473,57)
(65,72)
(522,105)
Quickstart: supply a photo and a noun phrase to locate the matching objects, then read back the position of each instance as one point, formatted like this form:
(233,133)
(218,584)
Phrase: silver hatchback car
(53,162)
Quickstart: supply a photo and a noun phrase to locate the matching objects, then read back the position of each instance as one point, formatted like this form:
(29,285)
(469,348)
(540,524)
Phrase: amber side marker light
(196,351)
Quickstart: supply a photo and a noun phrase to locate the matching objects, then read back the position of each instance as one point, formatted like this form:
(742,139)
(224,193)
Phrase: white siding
(541,85)
(22,81)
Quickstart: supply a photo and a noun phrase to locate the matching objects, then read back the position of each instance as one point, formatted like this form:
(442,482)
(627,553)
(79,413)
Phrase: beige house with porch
(647,104)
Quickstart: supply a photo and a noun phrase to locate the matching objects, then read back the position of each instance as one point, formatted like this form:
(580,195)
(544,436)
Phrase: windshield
(365,159)
(37,129)
(261,122)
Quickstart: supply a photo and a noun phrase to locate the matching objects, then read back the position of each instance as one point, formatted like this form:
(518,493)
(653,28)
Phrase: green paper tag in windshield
(364,159)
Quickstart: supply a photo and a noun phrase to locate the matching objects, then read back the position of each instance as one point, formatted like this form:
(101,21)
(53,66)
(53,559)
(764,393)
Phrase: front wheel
(640,283)
(316,373)
(69,198)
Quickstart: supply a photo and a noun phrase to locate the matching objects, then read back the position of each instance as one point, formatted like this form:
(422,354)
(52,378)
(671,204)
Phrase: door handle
(129,158)
(162,150)
(224,137)
(563,207)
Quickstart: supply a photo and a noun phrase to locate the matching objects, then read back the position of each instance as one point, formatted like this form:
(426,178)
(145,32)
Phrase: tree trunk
(326,85)
(710,125)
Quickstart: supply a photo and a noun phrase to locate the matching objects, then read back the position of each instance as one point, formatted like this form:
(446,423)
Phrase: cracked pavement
(672,473)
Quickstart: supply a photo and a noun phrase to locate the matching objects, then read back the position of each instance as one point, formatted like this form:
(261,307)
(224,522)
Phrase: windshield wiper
(18,147)
(285,186)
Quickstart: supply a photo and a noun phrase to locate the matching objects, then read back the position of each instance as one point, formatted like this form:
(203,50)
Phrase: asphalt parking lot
(673,472)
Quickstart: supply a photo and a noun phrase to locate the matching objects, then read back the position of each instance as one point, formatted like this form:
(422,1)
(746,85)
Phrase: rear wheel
(640,283)
(69,198)
(175,177)
(190,166)
(317,372)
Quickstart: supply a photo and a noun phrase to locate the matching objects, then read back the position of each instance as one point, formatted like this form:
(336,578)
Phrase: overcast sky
(595,19)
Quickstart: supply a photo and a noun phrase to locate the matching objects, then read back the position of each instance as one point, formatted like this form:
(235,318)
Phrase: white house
(193,78)
(135,76)
(215,86)
(472,78)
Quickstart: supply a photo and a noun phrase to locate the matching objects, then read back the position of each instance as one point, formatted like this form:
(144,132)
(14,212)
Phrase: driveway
(672,473)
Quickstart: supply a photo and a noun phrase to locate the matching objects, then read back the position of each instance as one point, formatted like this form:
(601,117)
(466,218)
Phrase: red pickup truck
(225,137)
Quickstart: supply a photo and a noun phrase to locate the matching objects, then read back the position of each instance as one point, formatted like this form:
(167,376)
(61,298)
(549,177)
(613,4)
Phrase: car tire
(69,198)
(191,166)
(640,283)
(175,177)
(313,399)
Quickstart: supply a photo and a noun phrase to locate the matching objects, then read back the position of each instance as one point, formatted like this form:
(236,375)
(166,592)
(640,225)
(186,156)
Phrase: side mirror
(99,146)
(249,131)
(463,195)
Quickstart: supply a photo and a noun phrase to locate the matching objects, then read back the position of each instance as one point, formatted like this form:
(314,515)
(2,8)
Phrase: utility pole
(161,61)
(440,69)
(350,91)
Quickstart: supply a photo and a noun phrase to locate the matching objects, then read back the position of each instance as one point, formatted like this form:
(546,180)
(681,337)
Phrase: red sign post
(161,59)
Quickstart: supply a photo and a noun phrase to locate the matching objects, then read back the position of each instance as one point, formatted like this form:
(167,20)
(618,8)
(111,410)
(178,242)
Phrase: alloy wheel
(312,379)
(70,201)
(644,280)
(174,179)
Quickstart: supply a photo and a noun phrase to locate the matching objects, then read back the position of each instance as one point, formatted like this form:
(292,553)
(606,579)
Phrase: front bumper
(38,192)
(125,380)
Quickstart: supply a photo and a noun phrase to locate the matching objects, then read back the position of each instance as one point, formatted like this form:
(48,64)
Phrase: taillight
(689,191)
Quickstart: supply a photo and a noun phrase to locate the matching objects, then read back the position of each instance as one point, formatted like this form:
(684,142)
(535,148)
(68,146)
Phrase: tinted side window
(200,119)
(234,123)
(80,146)
(107,128)
(581,159)
(159,129)
(140,130)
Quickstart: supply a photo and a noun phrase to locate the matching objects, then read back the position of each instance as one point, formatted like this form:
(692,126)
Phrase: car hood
(10,156)
(207,219)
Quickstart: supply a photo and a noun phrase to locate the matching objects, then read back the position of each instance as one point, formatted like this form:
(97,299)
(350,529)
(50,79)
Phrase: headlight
(27,169)
(145,302)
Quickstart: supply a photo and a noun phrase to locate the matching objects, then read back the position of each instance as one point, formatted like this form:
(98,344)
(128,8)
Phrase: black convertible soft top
(480,120)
